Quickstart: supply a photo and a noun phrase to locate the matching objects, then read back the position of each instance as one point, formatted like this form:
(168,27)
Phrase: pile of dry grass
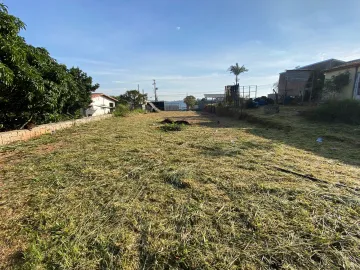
(134,197)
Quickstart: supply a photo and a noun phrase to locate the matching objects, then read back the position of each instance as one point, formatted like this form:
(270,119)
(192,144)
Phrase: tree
(20,81)
(237,70)
(82,87)
(276,86)
(33,85)
(334,86)
(132,97)
(316,84)
(190,102)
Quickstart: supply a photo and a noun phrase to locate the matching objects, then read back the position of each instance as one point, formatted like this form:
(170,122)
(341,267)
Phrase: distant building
(352,90)
(293,82)
(215,97)
(177,105)
(101,104)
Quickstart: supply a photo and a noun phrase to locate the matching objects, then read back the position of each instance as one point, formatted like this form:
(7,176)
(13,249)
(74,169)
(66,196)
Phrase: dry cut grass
(123,194)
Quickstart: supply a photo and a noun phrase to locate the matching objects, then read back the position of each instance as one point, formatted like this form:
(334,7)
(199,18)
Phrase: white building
(101,104)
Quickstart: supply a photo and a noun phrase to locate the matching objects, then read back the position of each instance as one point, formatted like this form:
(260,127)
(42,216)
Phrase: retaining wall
(23,135)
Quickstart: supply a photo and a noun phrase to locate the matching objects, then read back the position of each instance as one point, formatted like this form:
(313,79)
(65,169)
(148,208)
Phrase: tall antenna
(155,89)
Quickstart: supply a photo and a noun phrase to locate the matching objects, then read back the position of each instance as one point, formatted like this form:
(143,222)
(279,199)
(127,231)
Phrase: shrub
(224,111)
(121,110)
(344,111)
(137,111)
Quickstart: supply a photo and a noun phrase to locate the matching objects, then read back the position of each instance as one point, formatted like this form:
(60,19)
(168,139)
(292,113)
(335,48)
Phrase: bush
(224,111)
(343,111)
(121,110)
(137,111)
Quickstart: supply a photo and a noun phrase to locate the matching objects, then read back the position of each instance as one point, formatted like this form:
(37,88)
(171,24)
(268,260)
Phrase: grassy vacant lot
(123,194)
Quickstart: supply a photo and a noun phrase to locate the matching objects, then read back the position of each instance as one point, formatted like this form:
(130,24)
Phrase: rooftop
(324,61)
(214,95)
(352,63)
(311,66)
(103,95)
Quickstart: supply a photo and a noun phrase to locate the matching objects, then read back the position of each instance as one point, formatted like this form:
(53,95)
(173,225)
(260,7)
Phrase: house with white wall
(352,90)
(101,104)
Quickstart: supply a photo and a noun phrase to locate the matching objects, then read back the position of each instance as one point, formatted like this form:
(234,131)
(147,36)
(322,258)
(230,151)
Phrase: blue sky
(187,45)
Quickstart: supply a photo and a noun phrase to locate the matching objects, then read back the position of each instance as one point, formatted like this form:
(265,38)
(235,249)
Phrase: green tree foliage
(334,86)
(190,102)
(33,85)
(237,70)
(314,86)
(316,83)
(133,98)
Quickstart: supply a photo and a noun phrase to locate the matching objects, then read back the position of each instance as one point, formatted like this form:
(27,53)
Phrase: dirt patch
(11,250)
(177,122)
(48,148)
(167,121)
(13,157)
(11,255)
(8,157)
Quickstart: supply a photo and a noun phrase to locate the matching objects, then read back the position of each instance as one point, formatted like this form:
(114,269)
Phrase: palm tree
(237,70)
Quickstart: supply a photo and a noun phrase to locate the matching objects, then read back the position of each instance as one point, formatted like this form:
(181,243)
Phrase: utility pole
(138,88)
(155,89)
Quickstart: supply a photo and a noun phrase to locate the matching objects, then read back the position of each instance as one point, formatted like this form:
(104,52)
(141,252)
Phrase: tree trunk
(27,122)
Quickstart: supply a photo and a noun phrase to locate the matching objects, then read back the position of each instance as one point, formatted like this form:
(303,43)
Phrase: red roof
(103,95)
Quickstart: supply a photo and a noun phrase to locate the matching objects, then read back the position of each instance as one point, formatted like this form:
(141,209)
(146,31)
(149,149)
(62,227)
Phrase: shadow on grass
(340,142)
(346,151)
(232,150)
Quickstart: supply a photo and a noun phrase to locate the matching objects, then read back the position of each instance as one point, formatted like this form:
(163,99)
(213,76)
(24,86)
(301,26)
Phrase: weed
(172,127)
(121,110)
(176,179)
